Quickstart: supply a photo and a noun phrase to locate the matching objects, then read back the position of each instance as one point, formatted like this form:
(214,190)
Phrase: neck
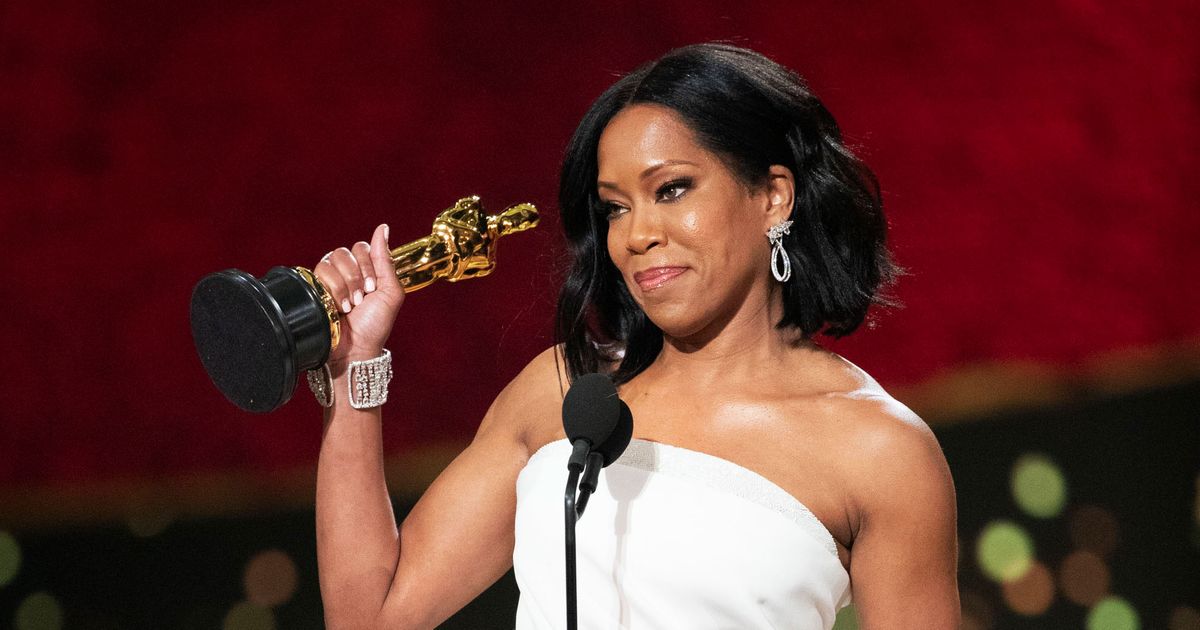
(738,346)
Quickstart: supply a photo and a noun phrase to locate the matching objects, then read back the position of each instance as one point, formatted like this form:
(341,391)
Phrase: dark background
(1038,164)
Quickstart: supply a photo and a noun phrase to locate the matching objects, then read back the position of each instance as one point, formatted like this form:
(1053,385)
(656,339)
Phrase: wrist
(364,381)
(338,365)
(368,381)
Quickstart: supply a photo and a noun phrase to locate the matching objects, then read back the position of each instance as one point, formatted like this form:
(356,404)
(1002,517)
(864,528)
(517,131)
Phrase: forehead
(644,135)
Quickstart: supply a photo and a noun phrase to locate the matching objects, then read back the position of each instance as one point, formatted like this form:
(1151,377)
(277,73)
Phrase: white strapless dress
(674,538)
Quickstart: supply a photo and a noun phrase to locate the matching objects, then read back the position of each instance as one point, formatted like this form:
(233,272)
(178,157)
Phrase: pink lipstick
(655,277)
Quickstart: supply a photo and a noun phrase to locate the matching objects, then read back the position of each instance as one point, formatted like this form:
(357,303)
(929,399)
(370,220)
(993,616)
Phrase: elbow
(347,616)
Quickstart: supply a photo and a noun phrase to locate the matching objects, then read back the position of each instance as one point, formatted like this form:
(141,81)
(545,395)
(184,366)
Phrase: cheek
(730,241)
(616,253)
(690,222)
(722,233)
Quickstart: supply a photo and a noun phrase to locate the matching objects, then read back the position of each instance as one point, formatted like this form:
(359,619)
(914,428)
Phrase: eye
(673,189)
(610,210)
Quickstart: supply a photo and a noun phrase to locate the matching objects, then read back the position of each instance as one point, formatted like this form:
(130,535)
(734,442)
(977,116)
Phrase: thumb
(381,261)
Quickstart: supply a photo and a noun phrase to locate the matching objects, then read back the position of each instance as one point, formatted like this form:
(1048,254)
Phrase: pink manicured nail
(358,296)
(386,230)
(370,282)
(345,306)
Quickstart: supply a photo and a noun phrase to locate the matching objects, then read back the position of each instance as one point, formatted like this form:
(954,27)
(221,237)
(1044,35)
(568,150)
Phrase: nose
(645,231)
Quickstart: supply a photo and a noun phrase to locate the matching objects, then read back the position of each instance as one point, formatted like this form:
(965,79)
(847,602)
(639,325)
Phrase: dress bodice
(674,538)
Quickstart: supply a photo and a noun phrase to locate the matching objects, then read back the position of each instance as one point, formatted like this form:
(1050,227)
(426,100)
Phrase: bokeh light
(977,611)
(847,619)
(10,558)
(1184,618)
(1004,551)
(1032,593)
(1038,486)
(1085,578)
(39,611)
(249,616)
(1094,528)
(1113,613)
(271,578)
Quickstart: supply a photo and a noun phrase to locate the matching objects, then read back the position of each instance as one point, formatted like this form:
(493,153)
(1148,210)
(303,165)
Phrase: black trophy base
(256,336)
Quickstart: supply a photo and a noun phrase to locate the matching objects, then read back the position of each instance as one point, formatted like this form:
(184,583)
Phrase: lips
(655,277)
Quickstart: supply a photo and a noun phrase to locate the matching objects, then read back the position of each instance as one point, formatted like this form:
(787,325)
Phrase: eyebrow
(646,173)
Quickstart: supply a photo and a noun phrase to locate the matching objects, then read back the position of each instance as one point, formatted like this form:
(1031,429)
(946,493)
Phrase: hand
(363,283)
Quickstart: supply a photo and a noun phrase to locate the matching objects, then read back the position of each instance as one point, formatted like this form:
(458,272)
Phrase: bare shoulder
(532,401)
(883,425)
(886,434)
(902,514)
(896,461)
(885,437)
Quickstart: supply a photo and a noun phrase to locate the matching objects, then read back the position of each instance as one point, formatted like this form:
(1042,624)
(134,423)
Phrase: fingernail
(345,306)
(358,295)
(370,282)
(386,231)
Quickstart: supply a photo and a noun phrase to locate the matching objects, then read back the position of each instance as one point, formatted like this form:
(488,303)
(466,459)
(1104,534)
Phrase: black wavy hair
(752,113)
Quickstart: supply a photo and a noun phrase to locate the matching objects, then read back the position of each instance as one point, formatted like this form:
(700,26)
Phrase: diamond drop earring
(775,236)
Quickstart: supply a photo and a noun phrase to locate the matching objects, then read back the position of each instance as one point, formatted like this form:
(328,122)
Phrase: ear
(780,192)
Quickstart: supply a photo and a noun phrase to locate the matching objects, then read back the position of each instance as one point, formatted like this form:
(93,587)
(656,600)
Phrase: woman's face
(687,236)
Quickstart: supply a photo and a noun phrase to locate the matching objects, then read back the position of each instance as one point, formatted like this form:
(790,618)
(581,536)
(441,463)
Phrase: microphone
(591,410)
(608,452)
(618,440)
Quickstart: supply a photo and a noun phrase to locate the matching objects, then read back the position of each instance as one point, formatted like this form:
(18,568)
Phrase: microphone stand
(587,483)
(575,465)
(569,504)
(573,511)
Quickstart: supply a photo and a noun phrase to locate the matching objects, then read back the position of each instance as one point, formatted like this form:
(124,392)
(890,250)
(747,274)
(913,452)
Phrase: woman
(766,476)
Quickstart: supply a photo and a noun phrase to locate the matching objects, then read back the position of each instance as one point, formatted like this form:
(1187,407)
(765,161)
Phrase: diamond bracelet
(320,381)
(367,384)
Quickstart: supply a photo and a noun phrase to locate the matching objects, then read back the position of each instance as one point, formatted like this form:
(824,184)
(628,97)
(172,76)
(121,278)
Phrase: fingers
(350,274)
(381,262)
(362,256)
(340,273)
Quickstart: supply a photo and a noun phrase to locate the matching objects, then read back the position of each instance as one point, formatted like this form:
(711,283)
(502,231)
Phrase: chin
(676,320)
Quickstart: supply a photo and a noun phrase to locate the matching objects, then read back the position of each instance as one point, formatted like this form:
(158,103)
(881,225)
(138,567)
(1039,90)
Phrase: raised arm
(903,561)
(458,539)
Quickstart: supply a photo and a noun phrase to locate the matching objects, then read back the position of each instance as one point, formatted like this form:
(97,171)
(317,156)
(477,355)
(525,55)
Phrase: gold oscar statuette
(255,335)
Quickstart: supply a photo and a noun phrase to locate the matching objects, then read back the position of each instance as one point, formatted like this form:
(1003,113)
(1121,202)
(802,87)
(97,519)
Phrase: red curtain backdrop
(1038,160)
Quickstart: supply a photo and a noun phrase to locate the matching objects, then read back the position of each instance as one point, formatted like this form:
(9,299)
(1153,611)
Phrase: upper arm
(458,538)
(903,562)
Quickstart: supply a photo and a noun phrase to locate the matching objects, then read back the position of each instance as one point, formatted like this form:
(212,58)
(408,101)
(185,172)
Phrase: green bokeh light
(10,558)
(847,619)
(1004,551)
(1113,613)
(1038,486)
(249,616)
(39,611)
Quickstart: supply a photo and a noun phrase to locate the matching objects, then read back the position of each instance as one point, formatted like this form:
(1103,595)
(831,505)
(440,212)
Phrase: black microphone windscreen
(591,409)
(618,440)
